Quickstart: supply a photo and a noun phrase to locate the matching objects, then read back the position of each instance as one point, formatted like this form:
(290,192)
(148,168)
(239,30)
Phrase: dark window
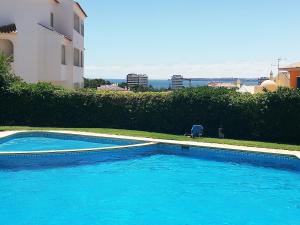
(52,20)
(63,55)
(77,23)
(81,59)
(82,28)
(76,57)
(298,82)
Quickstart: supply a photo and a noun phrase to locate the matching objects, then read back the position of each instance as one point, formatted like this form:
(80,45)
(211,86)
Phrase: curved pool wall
(136,149)
(76,158)
(120,149)
(74,141)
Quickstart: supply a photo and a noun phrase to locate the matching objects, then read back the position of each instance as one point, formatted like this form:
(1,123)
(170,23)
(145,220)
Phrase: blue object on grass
(197,131)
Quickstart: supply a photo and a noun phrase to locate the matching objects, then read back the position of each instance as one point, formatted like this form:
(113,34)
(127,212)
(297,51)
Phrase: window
(63,54)
(81,59)
(77,23)
(76,57)
(82,28)
(52,20)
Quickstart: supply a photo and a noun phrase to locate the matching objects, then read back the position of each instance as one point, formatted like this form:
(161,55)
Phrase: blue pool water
(159,189)
(50,141)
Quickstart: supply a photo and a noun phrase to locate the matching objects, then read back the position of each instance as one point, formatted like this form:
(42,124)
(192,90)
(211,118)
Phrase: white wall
(37,50)
(49,55)
(63,13)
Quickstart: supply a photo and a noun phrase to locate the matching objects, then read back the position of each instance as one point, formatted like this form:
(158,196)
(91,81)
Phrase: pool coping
(149,142)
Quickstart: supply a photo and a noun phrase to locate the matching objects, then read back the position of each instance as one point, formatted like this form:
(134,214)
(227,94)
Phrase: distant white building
(246,89)
(45,39)
(283,79)
(112,87)
(270,83)
(176,82)
(134,80)
(262,79)
(235,85)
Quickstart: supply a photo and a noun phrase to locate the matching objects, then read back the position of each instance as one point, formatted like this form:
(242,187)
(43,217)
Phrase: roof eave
(289,68)
(81,9)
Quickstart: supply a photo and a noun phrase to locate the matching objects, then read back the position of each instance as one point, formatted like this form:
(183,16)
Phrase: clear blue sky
(195,38)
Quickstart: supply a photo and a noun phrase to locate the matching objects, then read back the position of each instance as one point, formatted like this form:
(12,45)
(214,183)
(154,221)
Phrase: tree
(150,88)
(122,85)
(7,77)
(94,83)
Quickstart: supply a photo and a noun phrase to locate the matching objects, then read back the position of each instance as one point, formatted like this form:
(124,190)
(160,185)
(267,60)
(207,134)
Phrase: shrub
(6,75)
(267,116)
(94,83)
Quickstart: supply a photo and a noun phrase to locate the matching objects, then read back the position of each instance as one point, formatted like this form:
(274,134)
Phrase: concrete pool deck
(161,141)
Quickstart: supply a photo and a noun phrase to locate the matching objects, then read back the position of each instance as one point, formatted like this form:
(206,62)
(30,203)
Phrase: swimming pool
(47,141)
(155,184)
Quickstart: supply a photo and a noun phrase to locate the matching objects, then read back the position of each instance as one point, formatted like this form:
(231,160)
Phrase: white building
(45,39)
(177,82)
(134,80)
(112,87)
(283,79)
(270,83)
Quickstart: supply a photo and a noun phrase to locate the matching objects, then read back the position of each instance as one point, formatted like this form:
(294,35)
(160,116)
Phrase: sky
(195,38)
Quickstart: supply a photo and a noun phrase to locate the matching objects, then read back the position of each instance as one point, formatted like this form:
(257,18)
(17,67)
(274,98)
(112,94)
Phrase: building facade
(294,74)
(45,40)
(176,82)
(134,80)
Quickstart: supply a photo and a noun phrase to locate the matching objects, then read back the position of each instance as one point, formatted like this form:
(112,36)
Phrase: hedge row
(269,116)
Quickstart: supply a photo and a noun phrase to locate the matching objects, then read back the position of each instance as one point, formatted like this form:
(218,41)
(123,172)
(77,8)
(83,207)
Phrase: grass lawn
(135,133)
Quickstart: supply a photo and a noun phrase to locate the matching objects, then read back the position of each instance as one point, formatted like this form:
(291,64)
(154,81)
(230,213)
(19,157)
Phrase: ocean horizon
(203,82)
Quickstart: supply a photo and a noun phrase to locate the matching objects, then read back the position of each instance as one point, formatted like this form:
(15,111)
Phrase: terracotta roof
(77,3)
(8,28)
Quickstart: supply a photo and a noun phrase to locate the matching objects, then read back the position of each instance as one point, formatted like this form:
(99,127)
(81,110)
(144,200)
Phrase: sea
(203,82)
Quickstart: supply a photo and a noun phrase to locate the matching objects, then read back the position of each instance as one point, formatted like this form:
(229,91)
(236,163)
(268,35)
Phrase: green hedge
(269,116)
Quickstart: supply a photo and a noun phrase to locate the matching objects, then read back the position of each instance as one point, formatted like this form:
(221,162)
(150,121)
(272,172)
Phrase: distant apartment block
(134,80)
(176,82)
(45,40)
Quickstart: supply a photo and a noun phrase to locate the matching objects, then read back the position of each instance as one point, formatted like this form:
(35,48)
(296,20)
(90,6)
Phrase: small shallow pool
(43,141)
(151,185)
